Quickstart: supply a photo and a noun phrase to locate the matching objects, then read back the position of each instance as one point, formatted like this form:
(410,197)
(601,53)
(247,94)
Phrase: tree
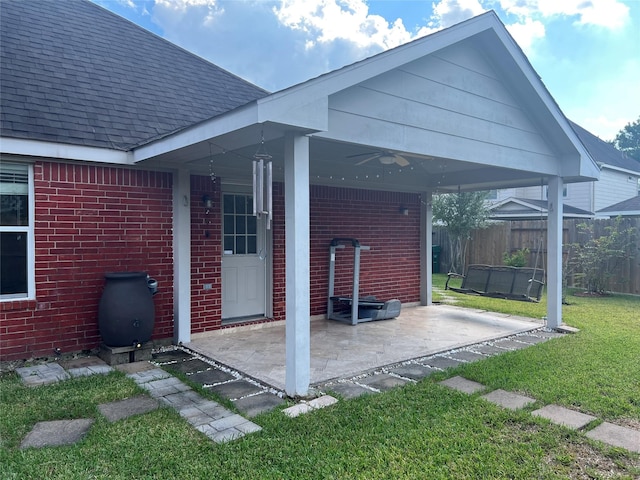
(628,140)
(460,213)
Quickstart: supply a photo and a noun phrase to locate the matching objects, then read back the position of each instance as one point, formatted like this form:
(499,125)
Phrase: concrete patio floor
(339,350)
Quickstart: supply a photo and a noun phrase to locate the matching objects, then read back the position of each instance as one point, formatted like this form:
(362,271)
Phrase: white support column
(554,253)
(181,256)
(426,246)
(298,311)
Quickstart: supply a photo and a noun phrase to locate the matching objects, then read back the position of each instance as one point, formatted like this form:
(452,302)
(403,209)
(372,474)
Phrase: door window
(239,225)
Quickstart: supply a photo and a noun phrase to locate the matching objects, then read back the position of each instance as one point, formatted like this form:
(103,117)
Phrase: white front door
(243,258)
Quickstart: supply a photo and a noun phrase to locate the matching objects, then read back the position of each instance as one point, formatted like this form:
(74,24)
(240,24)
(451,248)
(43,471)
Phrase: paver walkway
(252,398)
(215,421)
(614,435)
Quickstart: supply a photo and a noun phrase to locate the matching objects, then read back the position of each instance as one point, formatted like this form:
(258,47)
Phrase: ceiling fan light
(387,159)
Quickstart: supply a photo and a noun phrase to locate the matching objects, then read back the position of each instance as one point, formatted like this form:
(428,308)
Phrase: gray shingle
(92,71)
(604,153)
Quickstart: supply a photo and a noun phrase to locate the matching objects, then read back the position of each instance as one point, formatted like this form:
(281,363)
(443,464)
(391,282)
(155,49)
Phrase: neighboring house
(122,152)
(618,186)
(626,208)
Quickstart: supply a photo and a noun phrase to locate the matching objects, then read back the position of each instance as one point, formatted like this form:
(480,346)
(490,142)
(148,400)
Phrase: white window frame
(29,230)
(565,191)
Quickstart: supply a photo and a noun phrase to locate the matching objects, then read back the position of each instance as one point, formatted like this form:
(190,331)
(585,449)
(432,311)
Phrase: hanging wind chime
(262,183)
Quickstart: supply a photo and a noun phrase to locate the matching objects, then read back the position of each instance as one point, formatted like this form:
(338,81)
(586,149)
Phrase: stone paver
(548,335)
(297,409)
(616,436)
(510,400)
(323,401)
(306,407)
(531,339)
(349,390)
(82,362)
(57,433)
(441,362)
(256,404)
(467,356)
(209,417)
(128,407)
(236,389)
(164,387)
(462,385)
(135,367)
(171,356)
(189,366)
(564,416)
(413,371)
(383,382)
(211,377)
(486,349)
(44,374)
(511,344)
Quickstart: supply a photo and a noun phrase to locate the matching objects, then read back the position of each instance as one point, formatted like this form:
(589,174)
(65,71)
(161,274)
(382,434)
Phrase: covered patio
(340,351)
(357,153)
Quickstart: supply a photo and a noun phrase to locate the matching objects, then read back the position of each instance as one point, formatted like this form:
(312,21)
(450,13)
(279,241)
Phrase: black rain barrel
(126,312)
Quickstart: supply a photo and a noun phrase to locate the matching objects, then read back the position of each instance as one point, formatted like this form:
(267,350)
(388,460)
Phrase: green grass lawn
(421,431)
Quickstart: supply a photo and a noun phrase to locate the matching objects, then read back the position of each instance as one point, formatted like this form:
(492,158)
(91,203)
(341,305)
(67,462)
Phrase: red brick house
(123,152)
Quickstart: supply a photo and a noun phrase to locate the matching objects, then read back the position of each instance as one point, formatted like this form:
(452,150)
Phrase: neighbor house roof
(629,207)
(75,73)
(514,208)
(604,153)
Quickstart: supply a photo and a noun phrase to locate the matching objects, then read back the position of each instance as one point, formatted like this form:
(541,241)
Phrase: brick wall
(89,220)
(96,219)
(391,269)
(206,255)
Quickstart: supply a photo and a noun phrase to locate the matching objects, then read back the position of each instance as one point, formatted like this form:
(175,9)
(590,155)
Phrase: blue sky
(586,51)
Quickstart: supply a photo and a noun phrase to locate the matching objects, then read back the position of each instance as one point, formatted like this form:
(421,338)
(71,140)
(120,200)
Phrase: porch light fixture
(387,159)
(207,202)
(404,210)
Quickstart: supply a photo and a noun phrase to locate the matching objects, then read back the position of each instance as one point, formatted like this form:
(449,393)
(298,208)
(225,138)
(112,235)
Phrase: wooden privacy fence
(488,245)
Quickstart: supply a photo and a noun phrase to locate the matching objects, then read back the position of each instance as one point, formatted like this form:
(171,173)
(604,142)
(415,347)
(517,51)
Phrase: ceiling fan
(384,157)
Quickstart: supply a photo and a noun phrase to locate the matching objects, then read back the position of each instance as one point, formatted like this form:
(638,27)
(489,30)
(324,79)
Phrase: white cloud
(450,12)
(326,21)
(277,44)
(527,33)
(605,13)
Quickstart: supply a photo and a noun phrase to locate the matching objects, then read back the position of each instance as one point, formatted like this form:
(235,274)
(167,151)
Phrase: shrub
(596,257)
(516,259)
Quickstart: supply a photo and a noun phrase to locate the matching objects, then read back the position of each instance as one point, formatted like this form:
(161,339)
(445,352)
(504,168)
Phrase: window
(16,231)
(492,195)
(564,191)
(239,225)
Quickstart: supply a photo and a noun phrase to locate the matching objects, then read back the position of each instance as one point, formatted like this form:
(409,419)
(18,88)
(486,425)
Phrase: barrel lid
(124,275)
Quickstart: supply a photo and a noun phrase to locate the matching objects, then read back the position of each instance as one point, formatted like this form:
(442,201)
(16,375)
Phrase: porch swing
(502,281)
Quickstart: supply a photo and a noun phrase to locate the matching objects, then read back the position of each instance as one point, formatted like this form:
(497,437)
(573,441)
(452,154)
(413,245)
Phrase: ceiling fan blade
(362,154)
(367,159)
(401,161)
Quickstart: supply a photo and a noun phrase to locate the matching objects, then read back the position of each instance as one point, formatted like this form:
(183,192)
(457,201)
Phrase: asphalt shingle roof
(630,205)
(73,72)
(603,152)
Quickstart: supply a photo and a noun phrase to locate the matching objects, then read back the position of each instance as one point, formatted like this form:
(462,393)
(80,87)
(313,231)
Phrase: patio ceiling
(335,163)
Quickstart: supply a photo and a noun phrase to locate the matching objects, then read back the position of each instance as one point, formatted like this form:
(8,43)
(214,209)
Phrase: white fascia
(622,170)
(37,148)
